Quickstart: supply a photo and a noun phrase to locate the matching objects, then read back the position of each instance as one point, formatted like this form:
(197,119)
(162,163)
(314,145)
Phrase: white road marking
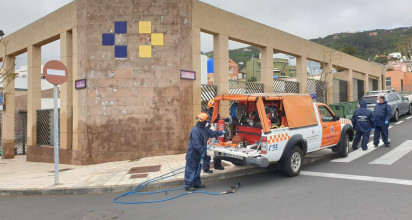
(357,153)
(390,127)
(356,177)
(395,154)
(399,122)
(409,117)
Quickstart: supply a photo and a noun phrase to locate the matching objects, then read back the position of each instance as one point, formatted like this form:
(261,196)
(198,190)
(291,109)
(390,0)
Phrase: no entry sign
(55,72)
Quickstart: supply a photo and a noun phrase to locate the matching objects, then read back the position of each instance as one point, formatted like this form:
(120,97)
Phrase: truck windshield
(370,99)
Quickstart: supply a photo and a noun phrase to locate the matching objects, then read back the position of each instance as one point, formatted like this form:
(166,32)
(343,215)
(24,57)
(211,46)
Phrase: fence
(20,130)
(340,91)
(208,92)
(318,88)
(281,86)
(241,87)
(45,127)
(358,89)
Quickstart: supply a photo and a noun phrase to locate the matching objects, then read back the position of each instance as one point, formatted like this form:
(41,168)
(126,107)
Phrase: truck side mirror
(336,118)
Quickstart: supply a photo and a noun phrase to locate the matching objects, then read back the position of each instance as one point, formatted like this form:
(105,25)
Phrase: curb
(157,185)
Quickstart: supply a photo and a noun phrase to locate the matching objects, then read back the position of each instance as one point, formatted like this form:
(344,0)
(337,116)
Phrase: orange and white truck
(278,128)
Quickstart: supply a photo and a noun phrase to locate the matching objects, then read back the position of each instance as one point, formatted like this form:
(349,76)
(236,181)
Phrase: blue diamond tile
(108,39)
(120,51)
(120,27)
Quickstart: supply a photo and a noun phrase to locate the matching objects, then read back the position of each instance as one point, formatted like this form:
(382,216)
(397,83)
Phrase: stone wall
(133,107)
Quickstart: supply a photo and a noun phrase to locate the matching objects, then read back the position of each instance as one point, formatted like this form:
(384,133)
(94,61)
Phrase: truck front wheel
(344,146)
(292,164)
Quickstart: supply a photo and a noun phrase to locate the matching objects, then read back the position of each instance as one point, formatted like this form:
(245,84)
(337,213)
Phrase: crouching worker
(363,122)
(196,148)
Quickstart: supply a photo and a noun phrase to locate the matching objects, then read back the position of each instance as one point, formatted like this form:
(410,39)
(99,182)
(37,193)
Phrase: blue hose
(136,190)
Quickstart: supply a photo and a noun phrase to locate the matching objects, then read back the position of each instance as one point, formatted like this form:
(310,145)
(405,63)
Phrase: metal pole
(56,136)
(2,133)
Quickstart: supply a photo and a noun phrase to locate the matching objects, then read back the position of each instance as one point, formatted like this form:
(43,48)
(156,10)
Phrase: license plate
(228,155)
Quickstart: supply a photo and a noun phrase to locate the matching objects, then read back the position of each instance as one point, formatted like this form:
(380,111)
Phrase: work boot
(365,149)
(354,148)
(387,145)
(208,171)
(219,168)
(201,186)
(190,189)
(376,146)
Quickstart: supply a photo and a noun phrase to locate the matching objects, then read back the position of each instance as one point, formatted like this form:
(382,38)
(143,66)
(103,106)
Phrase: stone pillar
(380,82)
(66,91)
(196,49)
(8,114)
(350,84)
(221,64)
(267,69)
(366,80)
(75,139)
(33,93)
(301,74)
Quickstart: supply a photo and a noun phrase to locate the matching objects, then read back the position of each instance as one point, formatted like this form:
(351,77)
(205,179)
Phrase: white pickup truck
(279,128)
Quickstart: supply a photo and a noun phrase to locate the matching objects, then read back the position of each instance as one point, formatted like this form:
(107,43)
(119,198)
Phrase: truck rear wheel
(292,164)
(344,146)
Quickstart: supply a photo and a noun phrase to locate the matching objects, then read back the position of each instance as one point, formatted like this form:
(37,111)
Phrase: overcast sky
(305,18)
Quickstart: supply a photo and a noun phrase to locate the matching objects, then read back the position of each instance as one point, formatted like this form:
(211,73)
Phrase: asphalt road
(351,190)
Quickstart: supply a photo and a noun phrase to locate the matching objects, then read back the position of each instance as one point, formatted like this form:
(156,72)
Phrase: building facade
(131,53)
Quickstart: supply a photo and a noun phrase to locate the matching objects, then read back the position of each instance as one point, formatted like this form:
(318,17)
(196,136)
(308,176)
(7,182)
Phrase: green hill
(360,44)
(366,44)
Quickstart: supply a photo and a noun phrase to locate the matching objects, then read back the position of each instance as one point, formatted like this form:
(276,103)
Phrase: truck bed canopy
(298,108)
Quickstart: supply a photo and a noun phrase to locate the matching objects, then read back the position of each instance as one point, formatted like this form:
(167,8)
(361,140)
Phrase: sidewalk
(19,177)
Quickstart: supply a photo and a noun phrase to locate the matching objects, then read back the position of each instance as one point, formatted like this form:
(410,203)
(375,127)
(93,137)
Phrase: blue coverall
(363,122)
(206,158)
(196,147)
(383,114)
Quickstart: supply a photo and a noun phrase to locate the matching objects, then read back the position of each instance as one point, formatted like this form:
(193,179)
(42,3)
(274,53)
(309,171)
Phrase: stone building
(131,53)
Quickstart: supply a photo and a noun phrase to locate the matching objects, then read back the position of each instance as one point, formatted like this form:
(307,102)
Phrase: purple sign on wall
(80,84)
(187,74)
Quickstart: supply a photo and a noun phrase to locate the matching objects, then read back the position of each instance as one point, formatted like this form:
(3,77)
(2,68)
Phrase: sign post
(55,73)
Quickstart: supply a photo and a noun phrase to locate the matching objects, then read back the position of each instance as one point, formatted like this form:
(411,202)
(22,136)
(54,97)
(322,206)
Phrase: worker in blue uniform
(363,122)
(217,163)
(196,148)
(382,114)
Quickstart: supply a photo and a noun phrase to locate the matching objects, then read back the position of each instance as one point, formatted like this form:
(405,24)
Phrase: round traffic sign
(55,72)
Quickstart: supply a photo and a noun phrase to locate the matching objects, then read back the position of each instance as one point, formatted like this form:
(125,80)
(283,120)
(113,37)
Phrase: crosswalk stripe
(399,122)
(395,154)
(357,177)
(357,154)
(409,117)
(390,127)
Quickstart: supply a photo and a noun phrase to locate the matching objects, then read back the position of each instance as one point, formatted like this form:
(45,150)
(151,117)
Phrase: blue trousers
(365,139)
(206,162)
(381,130)
(192,178)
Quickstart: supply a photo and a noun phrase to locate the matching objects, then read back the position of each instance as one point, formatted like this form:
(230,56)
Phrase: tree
(7,75)
(350,50)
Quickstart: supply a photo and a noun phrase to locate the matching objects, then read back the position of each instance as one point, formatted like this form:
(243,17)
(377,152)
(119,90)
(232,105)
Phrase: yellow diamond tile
(145,27)
(145,51)
(157,39)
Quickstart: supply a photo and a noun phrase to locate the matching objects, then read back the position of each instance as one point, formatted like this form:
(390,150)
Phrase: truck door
(331,129)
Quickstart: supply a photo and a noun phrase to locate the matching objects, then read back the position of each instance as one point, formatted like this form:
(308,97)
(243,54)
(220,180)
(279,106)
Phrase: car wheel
(292,164)
(396,115)
(344,147)
(410,110)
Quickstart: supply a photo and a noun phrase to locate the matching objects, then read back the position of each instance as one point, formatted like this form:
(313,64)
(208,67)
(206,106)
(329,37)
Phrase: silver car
(400,105)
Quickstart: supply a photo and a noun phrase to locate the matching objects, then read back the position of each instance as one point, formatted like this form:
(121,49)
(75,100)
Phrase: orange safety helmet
(203,117)
(211,103)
